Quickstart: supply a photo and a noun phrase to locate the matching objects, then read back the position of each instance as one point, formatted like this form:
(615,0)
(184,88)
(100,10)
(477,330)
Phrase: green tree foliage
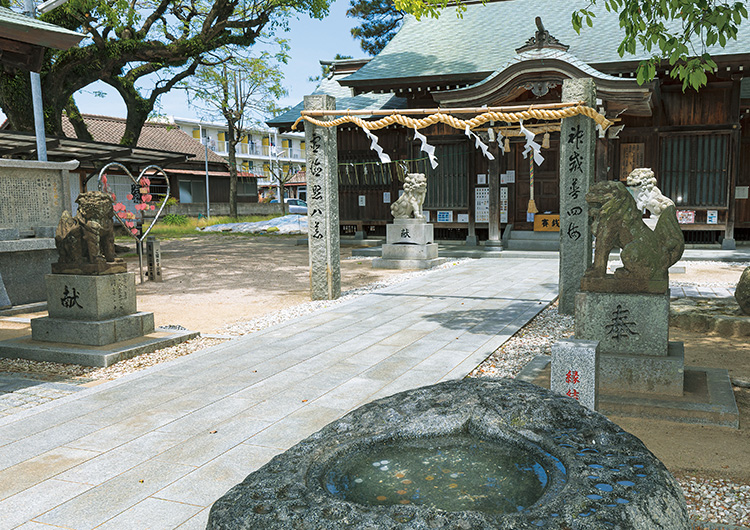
(677,31)
(143,49)
(238,89)
(380,20)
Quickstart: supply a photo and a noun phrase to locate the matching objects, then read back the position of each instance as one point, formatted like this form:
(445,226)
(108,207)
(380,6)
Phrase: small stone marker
(577,162)
(575,367)
(153,259)
(323,204)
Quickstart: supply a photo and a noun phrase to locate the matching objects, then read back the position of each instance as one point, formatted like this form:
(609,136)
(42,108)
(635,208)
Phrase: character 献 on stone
(410,203)
(89,236)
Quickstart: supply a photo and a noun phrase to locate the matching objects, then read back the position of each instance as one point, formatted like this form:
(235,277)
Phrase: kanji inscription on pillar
(577,149)
(323,204)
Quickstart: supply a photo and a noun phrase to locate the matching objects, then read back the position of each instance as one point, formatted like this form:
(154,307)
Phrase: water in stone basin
(447,473)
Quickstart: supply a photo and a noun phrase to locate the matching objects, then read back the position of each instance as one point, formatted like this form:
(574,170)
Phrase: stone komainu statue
(642,182)
(410,203)
(89,236)
(617,223)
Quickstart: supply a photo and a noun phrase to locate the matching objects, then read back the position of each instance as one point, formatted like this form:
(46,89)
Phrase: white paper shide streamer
(479,144)
(531,145)
(427,148)
(384,158)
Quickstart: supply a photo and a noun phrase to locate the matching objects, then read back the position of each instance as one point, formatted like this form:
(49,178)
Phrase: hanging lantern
(545,141)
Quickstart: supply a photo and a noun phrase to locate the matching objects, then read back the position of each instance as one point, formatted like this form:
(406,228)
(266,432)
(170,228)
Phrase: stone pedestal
(409,245)
(633,334)
(91,310)
(91,298)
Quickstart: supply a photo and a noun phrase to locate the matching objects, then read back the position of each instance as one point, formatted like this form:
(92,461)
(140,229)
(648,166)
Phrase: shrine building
(502,54)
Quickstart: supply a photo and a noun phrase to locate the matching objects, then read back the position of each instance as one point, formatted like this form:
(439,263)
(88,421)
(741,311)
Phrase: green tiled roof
(19,27)
(488,35)
(344,100)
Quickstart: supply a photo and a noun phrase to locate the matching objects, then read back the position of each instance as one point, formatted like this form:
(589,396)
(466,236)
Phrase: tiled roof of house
(487,37)
(154,135)
(344,100)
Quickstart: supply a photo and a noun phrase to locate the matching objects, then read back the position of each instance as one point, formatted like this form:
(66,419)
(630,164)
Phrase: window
(694,169)
(192,191)
(247,188)
(448,184)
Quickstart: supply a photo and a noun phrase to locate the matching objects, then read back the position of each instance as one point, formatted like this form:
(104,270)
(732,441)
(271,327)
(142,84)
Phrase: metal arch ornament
(121,209)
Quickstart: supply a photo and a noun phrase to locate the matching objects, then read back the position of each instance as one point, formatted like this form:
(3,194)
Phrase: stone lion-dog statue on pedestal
(616,222)
(410,203)
(89,236)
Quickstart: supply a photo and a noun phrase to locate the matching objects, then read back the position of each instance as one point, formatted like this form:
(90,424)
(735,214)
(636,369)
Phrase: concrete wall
(222,208)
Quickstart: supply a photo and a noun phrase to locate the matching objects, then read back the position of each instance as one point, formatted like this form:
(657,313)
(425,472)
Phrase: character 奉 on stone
(89,236)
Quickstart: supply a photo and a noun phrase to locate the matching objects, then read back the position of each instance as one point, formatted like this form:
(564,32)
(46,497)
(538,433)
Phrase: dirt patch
(716,452)
(214,280)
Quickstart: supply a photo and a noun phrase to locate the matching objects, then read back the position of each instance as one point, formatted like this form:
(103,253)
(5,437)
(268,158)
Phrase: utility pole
(208,200)
(36,98)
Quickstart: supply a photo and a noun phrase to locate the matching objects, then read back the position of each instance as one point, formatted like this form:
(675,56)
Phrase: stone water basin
(469,454)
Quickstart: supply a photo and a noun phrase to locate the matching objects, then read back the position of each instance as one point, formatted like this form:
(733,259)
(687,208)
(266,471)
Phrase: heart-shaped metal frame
(137,181)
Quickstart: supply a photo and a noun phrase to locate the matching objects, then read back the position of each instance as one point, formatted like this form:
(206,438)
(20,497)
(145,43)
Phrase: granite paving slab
(164,443)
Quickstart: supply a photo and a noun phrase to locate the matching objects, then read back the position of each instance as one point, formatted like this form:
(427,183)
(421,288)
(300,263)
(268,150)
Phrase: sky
(310,40)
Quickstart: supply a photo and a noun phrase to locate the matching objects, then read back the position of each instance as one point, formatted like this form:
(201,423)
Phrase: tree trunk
(74,115)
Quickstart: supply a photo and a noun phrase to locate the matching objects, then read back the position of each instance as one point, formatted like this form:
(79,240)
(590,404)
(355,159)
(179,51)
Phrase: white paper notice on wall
(510,177)
(503,205)
(386,197)
(362,200)
(463,217)
(482,205)
(712,217)
(445,216)
(482,178)
(741,192)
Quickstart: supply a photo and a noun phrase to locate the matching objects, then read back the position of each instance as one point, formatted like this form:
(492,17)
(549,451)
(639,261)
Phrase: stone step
(534,236)
(532,244)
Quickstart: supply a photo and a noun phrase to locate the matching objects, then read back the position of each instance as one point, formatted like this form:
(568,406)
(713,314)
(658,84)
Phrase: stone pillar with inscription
(577,151)
(323,204)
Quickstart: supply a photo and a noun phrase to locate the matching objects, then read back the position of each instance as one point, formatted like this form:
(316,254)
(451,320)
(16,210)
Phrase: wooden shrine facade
(694,141)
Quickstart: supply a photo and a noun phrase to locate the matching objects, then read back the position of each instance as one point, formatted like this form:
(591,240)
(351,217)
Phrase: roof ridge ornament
(542,39)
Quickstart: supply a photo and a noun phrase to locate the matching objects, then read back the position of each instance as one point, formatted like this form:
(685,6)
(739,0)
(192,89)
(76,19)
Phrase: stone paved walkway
(156,448)
(19,392)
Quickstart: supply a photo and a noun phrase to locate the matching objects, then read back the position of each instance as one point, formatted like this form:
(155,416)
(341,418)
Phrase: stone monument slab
(635,324)
(575,370)
(89,297)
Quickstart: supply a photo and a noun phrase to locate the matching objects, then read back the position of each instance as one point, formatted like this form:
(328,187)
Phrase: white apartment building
(259,150)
